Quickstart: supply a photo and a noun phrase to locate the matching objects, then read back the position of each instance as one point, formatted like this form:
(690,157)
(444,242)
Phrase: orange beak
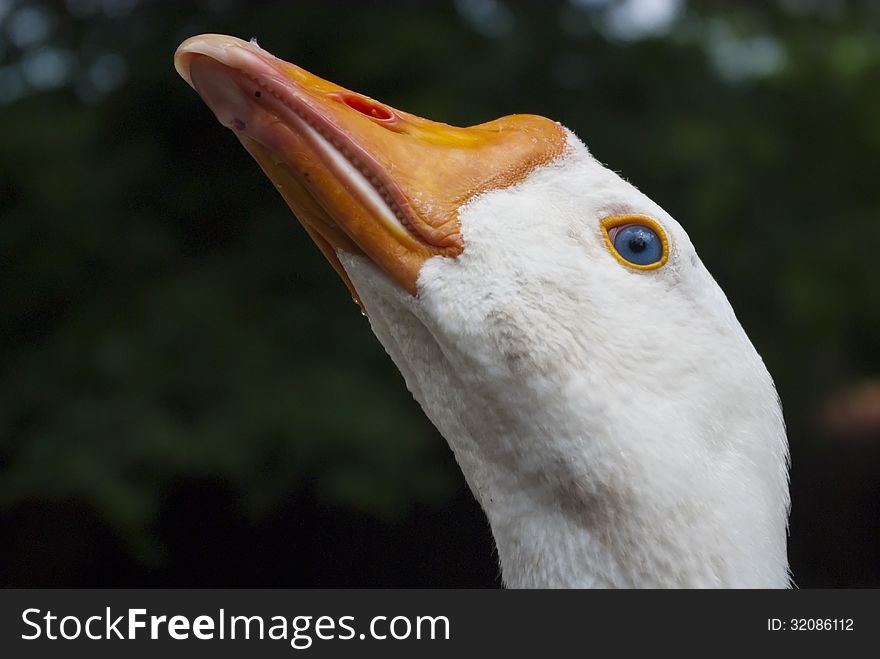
(361,176)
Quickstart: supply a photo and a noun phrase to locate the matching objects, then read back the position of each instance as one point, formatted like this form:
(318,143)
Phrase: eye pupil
(638,244)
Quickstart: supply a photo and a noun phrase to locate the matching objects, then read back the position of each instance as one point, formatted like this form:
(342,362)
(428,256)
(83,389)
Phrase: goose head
(557,326)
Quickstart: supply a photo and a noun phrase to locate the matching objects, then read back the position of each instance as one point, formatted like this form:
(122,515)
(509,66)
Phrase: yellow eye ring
(609,224)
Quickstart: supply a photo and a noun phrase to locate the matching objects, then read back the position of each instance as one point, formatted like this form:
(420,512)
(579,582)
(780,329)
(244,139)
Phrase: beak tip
(182,68)
(220,47)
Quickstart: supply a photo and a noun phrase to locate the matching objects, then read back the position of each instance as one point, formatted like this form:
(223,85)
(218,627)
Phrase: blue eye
(638,244)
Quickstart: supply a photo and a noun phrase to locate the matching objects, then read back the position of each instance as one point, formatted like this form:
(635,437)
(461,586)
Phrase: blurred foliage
(163,316)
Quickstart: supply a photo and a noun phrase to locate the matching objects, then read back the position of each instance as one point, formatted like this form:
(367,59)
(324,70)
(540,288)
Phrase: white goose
(556,325)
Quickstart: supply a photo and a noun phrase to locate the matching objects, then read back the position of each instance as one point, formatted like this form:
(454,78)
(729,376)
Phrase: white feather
(617,426)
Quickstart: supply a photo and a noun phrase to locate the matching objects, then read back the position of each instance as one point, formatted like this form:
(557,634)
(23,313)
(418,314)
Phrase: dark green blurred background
(188,395)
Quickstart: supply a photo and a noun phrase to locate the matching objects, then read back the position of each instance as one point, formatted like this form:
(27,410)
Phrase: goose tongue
(360,176)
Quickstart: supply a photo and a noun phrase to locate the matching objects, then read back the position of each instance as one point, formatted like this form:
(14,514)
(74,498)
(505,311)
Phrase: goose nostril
(365,106)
